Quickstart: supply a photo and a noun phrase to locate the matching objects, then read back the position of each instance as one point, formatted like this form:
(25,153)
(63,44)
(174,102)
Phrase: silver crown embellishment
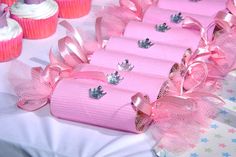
(96,93)
(125,66)
(114,78)
(146,44)
(177,18)
(162,27)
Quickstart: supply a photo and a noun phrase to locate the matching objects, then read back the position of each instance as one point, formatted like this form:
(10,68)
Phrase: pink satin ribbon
(227,16)
(134,6)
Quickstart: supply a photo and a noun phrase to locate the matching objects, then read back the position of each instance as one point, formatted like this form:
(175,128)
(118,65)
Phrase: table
(38,134)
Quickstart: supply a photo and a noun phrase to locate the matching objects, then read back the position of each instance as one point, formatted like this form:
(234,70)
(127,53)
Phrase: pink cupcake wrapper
(37,29)
(8,2)
(73,8)
(11,49)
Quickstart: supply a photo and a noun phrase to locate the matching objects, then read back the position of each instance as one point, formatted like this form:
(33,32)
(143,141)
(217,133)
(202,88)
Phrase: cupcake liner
(8,2)
(37,28)
(11,49)
(73,8)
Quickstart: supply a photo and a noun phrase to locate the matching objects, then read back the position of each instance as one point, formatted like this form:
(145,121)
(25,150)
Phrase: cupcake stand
(39,134)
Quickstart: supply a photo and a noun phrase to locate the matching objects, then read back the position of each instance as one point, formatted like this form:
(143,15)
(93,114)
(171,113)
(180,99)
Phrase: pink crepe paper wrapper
(132,81)
(157,51)
(201,7)
(70,100)
(10,49)
(8,2)
(39,28)
(175,36)
(143,65)
(73,8)
(155,15)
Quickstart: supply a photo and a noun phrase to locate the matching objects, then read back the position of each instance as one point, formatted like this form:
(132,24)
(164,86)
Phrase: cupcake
(8,2)
(73,8)
(10,37)
(38,18)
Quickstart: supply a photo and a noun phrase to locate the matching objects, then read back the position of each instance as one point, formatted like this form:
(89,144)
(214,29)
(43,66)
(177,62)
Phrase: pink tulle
(28,84)
(177,126)
(115,18)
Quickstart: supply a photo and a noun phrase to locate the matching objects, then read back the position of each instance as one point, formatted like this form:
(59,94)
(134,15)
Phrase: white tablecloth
(38,134)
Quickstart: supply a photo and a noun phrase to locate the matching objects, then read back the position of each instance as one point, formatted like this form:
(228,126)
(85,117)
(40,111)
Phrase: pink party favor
(187,38)
(155,15)
(129,62)
(156,51)
(71,100)
(201,7)
(129,81)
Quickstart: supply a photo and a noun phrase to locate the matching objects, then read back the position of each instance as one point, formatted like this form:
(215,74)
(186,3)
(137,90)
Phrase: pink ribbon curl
(137,7)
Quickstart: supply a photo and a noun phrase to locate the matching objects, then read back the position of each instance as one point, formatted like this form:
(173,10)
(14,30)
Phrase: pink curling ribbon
(71,47)
(133,6)
(227,16)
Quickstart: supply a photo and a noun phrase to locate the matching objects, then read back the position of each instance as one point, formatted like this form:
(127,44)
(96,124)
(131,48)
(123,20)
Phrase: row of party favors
(140,61)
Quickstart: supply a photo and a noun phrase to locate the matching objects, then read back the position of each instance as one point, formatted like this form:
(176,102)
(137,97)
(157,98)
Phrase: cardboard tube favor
(157,51)
(187,38)
(143,65)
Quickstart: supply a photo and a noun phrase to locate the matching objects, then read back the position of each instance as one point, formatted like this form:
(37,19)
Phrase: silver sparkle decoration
(177,18)
(162,27)
(146,44)
(125,66)
(96,93)
(114,78)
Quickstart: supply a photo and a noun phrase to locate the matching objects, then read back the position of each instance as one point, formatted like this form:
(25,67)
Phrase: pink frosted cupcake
(8,2)
(73,8)
(10,37)
(38,18)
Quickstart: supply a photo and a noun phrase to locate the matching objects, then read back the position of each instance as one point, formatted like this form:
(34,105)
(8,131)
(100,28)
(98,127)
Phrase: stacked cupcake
(8,2)
(38,18)
(10,37)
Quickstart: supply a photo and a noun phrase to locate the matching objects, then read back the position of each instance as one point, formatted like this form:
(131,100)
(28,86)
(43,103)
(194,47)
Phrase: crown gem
(159,153)
(146,44)
(114,78)
(125,66)
(96,93)
(177,18)
(162,27)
